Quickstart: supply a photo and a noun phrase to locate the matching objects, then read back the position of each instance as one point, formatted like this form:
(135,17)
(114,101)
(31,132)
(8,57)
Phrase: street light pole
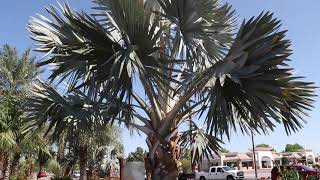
(254,156)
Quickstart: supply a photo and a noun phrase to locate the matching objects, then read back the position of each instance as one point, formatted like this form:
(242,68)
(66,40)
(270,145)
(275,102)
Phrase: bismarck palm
(185,58)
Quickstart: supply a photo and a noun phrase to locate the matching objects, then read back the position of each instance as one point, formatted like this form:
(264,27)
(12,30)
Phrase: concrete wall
(134,171)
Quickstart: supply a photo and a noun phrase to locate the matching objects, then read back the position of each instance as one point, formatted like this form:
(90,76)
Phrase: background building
(266,158)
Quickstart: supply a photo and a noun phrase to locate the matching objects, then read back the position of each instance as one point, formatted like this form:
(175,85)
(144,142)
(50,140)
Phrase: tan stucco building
(266,158)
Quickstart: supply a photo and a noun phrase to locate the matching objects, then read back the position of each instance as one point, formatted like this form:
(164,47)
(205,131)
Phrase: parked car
(221,173)
(304,171)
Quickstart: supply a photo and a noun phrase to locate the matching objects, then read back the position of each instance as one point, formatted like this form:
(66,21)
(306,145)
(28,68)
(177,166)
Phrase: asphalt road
(261,173)
(249,175)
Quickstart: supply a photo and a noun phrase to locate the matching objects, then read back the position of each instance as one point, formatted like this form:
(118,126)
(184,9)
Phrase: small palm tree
(44,157)
(75,115)
(105,140)
(158,63)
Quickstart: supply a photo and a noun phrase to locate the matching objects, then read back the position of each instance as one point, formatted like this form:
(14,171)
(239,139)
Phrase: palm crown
(15,72)
(187,59)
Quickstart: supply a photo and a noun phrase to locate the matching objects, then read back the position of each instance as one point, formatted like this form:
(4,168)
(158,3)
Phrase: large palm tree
(8,121)
(160,62)
(16,73)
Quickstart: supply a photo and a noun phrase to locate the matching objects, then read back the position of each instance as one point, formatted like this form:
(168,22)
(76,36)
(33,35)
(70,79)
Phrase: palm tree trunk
(41,168)
(162,162)
(2,163)
(83,153)
(91,174)
(147,167)
(27,167)
(67,170)
(15,163)
(165,170)
(7,167)
(61,148)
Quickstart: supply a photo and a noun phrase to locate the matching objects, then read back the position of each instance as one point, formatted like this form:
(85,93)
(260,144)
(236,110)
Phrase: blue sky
(301,18)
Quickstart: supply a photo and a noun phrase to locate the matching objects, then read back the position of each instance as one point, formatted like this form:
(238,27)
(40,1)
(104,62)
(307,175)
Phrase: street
(262,173)
(249,174)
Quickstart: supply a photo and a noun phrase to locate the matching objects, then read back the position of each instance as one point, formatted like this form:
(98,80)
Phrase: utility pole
(191,153)
(193,164)
(305,153)
(254,156)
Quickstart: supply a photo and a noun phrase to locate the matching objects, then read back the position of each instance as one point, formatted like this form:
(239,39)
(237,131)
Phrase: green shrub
(290,175)
(285,161)
(16,178)
(294,175)
(311,178)
(13,178)
(186,165)
(54,167)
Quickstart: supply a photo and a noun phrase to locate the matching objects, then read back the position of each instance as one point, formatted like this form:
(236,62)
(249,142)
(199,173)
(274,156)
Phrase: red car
(305,171)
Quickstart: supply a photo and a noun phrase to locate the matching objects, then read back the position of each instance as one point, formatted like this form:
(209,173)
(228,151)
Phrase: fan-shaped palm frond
(204,27)
(261,90)
(201,144)
(75,111)
(33,141)
(105,53)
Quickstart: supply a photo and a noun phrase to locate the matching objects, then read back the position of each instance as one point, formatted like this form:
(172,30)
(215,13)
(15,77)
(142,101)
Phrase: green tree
(17,139)
(186,158)
(43,158)
(10,121)
(186,165)
(293,147)
(105,140)
(75,116)
(263,145)
(16,74)
(138,155)
(285,161)
(224,150)
(160,62)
